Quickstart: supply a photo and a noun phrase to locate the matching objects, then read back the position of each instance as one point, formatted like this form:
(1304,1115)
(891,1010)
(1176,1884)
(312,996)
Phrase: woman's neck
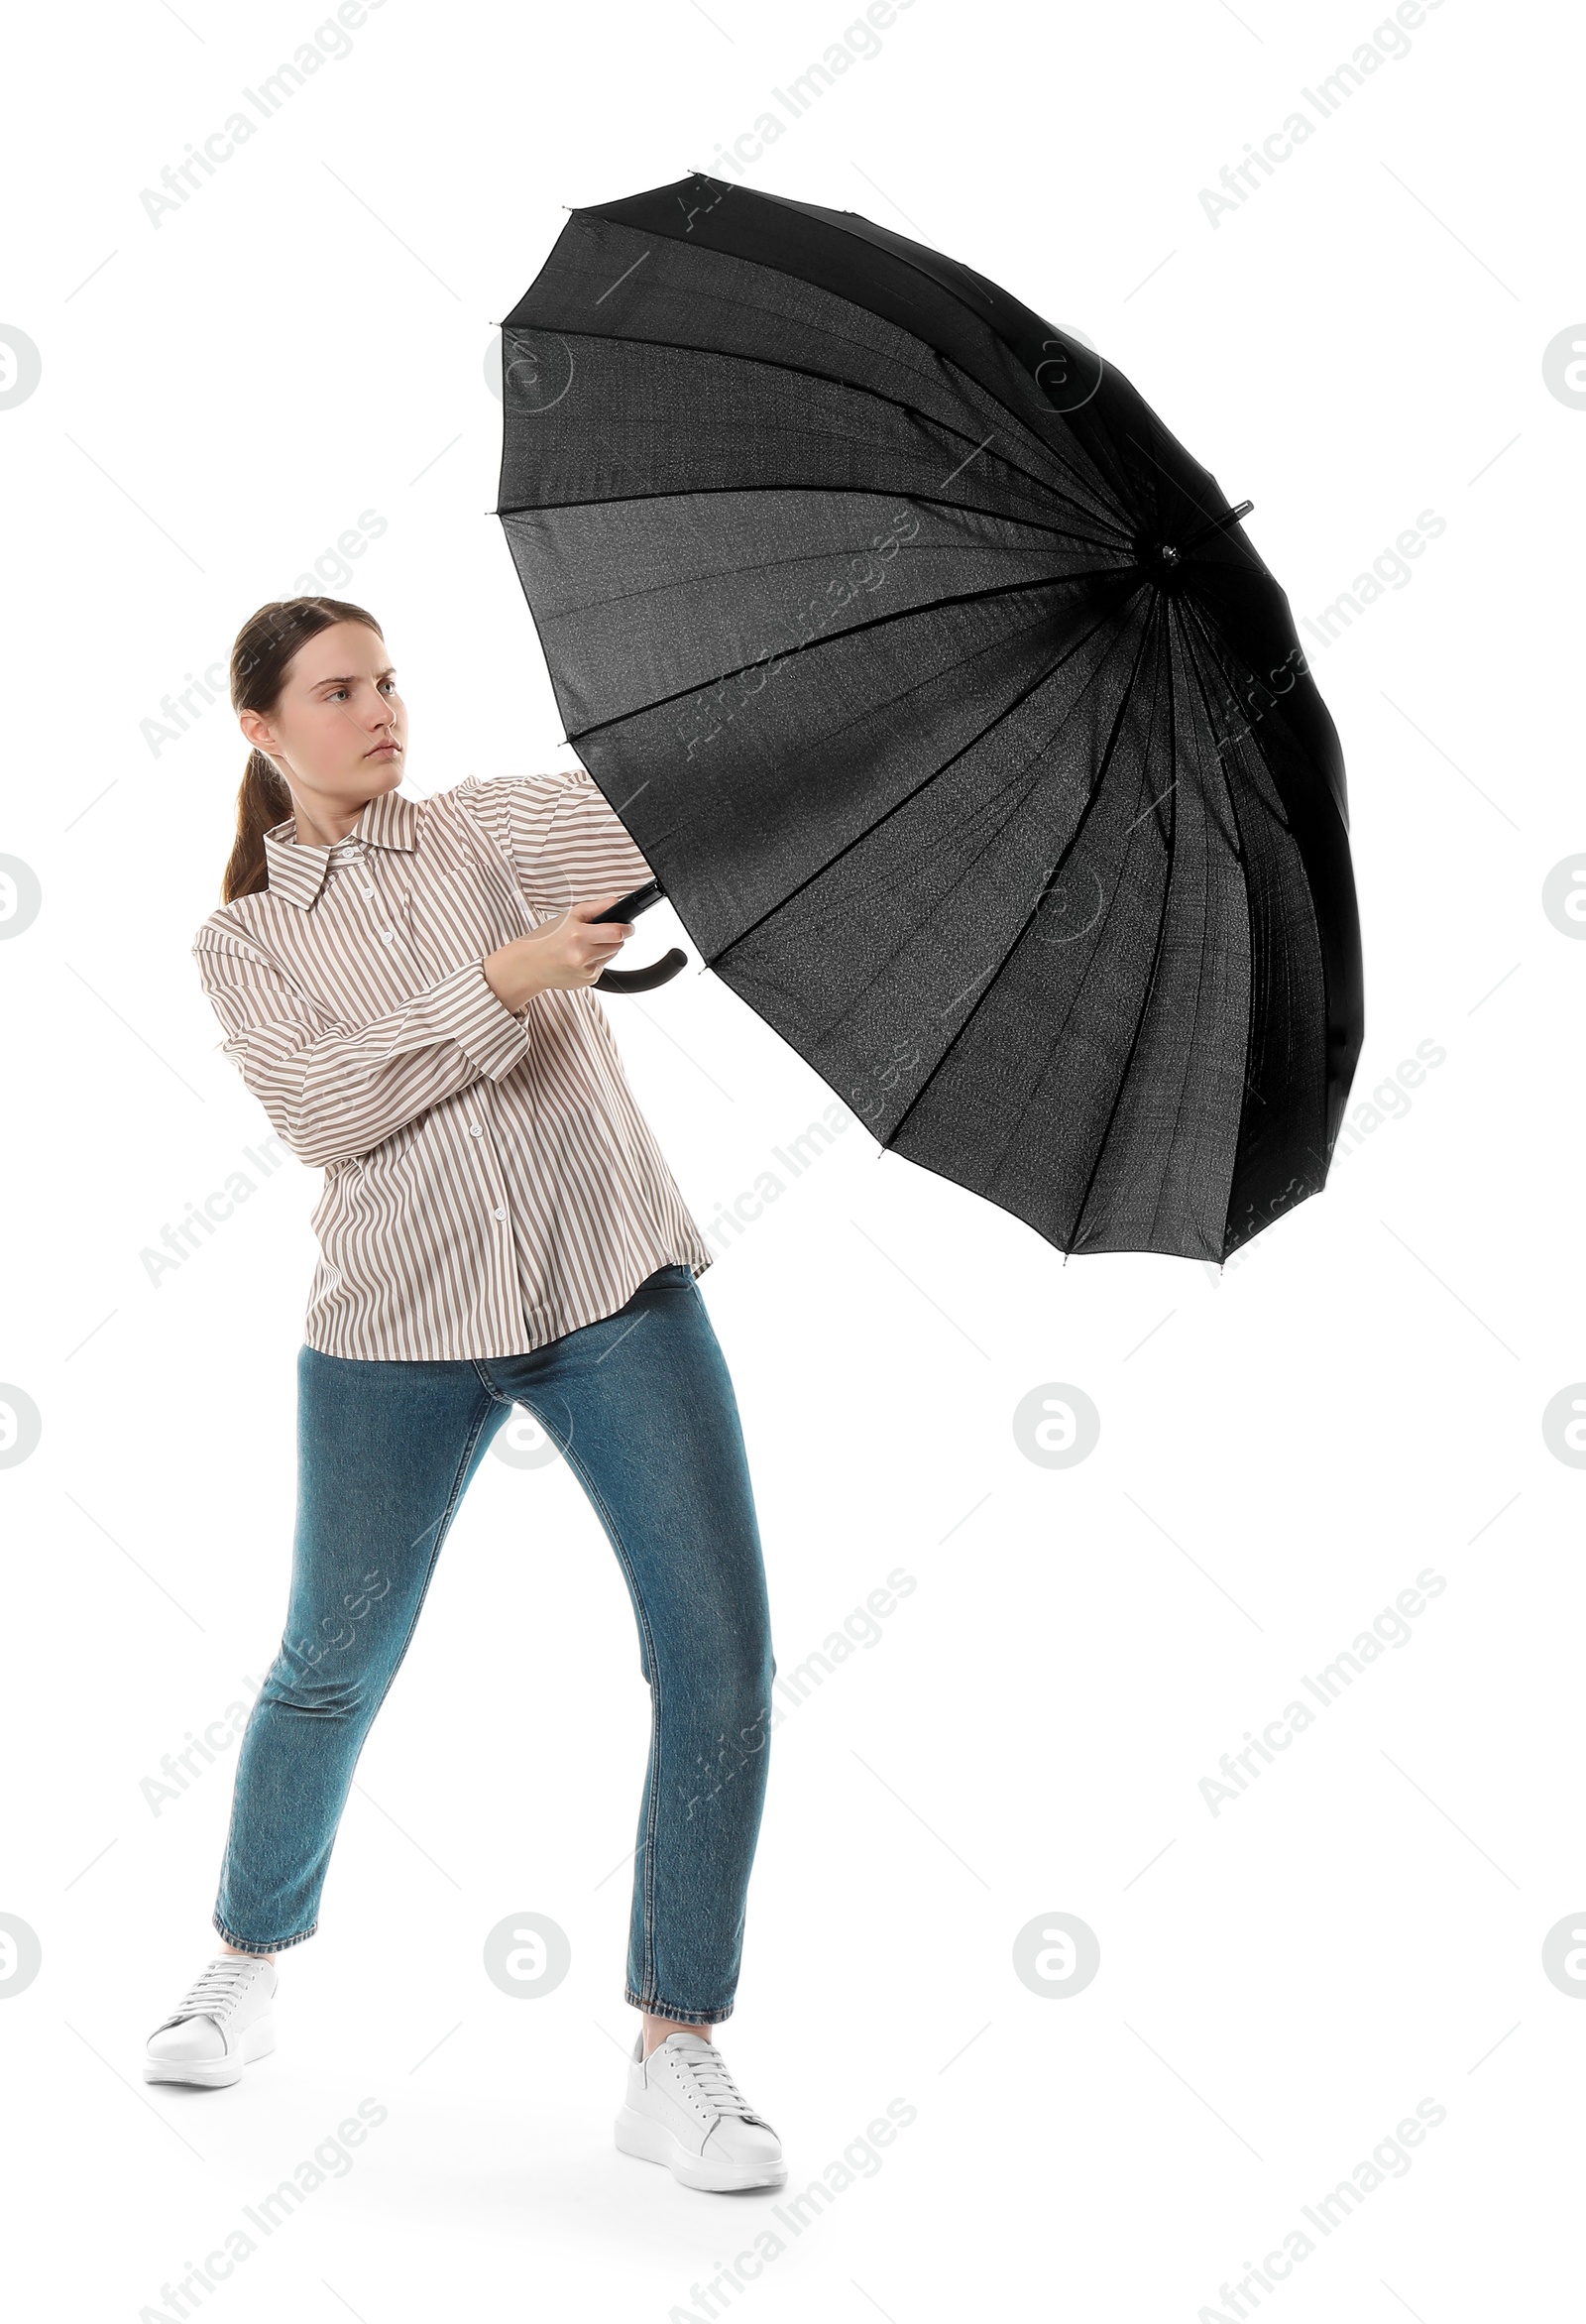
(324,829)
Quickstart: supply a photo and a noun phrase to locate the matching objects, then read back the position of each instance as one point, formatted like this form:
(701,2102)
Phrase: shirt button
(475,1131)
(367,890)
(389,935)
(501,1213)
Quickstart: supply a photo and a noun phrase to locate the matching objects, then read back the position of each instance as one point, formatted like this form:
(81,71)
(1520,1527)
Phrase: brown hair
(264,645)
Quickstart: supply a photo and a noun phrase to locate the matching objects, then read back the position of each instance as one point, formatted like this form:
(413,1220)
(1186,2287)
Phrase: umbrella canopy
(946,698)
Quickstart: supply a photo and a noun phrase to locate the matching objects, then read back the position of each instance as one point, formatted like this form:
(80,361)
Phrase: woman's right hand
(566,952)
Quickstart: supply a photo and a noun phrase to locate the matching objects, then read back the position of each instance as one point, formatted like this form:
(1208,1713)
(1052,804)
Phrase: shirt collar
(297,870)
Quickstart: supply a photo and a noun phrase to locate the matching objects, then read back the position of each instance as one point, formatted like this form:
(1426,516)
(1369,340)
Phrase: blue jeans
(641,1405)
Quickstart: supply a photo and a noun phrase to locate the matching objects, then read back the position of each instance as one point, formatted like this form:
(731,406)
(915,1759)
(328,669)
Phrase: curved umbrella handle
(660,972)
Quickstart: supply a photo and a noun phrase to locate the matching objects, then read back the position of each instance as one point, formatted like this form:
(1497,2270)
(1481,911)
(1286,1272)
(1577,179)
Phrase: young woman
(405,985)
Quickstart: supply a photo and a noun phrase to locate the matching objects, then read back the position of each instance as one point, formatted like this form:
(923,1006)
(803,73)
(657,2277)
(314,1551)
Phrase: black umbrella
(950,704)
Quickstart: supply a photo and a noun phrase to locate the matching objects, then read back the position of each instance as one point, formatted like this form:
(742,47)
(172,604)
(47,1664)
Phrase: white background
(1282,1449)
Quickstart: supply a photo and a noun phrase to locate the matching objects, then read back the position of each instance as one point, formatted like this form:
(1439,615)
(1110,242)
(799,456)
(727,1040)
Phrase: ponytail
(263,801)
(265,646)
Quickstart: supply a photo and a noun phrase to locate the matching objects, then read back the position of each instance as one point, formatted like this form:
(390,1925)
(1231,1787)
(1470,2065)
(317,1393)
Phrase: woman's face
(339,732)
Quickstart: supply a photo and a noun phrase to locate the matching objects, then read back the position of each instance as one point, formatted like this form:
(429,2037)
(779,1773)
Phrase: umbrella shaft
(638,899)
(1218,525)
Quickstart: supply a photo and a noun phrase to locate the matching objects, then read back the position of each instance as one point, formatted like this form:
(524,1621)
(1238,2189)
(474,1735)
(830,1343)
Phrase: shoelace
(214,1994)
(715,2084)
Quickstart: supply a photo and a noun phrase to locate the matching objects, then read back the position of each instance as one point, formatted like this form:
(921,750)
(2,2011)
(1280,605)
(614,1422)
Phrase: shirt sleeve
(333,1091)
(567,844)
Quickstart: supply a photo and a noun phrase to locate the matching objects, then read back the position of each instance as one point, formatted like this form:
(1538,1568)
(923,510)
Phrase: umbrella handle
(660,971)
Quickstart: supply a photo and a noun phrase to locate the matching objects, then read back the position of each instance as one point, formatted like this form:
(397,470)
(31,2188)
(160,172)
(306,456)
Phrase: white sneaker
(685,2109)
(224,2022)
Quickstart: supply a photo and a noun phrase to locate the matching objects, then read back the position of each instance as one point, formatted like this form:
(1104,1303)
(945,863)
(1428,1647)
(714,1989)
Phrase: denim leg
(641,1405)
(384,1453)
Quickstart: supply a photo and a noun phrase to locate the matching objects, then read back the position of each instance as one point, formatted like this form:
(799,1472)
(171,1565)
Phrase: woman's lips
(383,750)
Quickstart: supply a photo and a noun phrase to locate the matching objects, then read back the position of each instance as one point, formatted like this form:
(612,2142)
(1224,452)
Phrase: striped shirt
(490,1181)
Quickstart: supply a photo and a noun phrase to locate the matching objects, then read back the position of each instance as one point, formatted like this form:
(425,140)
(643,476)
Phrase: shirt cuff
(478,1022)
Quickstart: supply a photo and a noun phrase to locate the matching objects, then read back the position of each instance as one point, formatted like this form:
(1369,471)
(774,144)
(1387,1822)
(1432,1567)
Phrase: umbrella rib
(1189,612)
(857,630)
(859,837)
(819,558)
(1221,656)
(877,492)
(1176,482)
(1151,981)
(782,274)
(1175,624)
(854,387)
(937,282)
(1213,645)
(1096,792)
(1046,882)
(1062,1027)
(990,394)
